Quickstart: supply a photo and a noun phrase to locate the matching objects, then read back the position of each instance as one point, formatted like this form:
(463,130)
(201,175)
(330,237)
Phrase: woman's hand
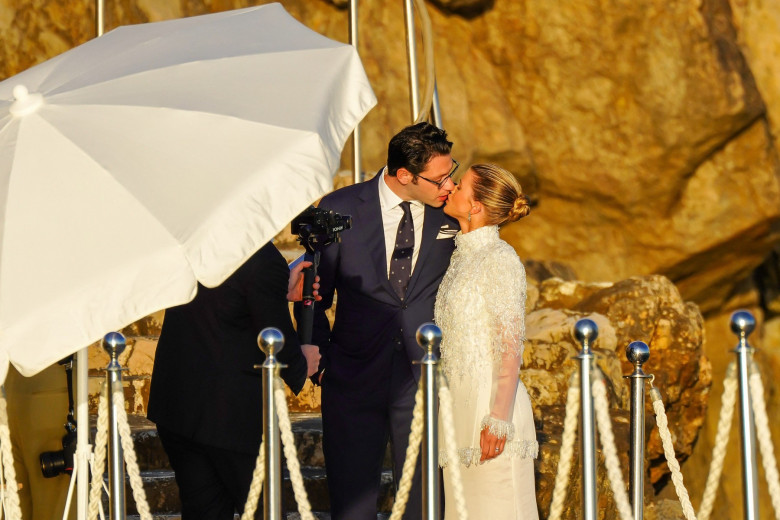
(492,446)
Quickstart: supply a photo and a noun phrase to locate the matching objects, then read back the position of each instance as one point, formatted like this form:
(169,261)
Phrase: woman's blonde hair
(500,193)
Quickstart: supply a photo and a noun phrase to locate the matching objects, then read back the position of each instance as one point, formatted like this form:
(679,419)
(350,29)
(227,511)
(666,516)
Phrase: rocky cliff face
(645,132)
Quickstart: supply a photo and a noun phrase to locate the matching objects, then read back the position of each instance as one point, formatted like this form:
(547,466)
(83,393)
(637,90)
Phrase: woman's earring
(469,218)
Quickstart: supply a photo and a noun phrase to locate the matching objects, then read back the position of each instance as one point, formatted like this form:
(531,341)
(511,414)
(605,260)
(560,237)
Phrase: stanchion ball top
(637,352)
(270,338)
(742,322)
(428,336)
(586,329)
(114,343)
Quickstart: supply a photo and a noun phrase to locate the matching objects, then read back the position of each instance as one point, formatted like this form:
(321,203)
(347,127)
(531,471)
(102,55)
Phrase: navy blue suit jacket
(371,320)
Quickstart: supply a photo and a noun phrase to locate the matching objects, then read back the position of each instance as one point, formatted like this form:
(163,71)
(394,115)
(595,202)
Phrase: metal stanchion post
(114,344)
(586,331)
(742,324)
(429,338)
(271,341)
(637,353)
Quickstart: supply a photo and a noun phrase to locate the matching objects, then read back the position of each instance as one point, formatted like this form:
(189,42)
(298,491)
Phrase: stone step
(306,427)
(162,492)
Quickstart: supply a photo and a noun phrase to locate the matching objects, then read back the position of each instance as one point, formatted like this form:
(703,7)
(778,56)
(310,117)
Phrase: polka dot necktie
(401,261)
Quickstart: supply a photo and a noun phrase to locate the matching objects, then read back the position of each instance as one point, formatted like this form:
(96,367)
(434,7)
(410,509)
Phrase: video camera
(54,463)
(316,228)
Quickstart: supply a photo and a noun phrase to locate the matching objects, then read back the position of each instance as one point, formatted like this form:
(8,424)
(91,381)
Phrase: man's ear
(404,176)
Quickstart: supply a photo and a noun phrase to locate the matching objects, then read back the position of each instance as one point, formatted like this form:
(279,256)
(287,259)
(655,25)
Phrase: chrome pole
(585,332)
(411,48)
(357,175)
(637,353)
(82,433)
(429,338)
(100,15)
(742,324)
(271,341)
(435,108)
(114,344)
(83,450)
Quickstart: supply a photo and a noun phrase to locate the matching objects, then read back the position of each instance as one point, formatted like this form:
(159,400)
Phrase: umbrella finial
(25,103)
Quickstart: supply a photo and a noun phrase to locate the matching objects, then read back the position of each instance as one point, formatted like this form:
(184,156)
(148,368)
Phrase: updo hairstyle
(500,193)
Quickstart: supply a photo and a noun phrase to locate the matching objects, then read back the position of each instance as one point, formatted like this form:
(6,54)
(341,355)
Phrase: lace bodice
(480,308)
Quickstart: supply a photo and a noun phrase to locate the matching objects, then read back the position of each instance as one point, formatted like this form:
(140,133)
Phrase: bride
(480,308)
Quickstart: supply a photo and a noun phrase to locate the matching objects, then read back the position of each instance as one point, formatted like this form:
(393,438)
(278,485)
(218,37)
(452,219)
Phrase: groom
(386,271)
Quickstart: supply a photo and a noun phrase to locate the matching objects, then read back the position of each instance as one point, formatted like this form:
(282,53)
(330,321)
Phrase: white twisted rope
(671,458)
(256,487)
(601,407)
(728,402)
(567,448)
(764,438)
(99,455)
(450,447)
(412,451)
(11,505)
(131,462)
(291,454)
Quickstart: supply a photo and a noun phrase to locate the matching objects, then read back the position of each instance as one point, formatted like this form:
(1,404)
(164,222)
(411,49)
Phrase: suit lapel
(369,211)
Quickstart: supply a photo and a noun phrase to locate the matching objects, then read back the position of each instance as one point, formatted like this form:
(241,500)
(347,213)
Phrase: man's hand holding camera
(295,294)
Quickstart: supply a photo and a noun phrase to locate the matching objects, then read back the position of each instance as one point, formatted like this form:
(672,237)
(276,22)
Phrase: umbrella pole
(83,447)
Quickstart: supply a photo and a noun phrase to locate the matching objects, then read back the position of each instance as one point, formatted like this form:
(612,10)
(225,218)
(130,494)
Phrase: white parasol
(156,156)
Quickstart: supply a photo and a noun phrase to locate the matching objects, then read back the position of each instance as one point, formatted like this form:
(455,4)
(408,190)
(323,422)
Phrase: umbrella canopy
(156,156)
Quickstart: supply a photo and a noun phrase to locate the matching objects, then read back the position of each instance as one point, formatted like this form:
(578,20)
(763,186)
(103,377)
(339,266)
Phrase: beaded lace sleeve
(506,306)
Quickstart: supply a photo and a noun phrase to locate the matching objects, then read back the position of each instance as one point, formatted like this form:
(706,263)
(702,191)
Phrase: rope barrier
(11,504)
(412,451)
(764,438)
(256,487)
(601,407)
(131,462)
(290,453)
(567,448)
(728,402)
(671,458)
(450,447)
(99,455)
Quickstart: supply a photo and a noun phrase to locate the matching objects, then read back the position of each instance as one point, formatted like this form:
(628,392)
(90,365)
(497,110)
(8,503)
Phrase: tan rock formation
(645,132)
(647,309)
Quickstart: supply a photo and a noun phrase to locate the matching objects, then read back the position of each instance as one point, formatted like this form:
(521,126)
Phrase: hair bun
(521,208)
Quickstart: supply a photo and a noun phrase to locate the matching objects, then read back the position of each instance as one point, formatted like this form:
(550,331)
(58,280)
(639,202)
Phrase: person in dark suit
(206,397)
(368,379)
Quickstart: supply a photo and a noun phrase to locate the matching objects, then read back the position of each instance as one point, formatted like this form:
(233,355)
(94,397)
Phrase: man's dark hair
(414,146)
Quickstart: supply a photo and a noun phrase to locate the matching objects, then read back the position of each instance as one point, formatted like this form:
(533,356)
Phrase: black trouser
(213,482)
(357,423)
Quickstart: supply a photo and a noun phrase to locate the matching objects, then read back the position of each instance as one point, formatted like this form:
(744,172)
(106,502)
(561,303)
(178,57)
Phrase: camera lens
(52,463)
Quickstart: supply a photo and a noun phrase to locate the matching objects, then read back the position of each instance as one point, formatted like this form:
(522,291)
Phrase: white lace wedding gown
(480,308)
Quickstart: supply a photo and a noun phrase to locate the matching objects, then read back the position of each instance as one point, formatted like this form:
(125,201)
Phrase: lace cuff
(498,427)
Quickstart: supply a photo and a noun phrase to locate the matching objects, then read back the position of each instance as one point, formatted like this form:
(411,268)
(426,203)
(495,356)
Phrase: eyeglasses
(440,184)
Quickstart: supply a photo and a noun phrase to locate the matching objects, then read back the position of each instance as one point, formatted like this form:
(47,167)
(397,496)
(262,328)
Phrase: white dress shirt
(390,205)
